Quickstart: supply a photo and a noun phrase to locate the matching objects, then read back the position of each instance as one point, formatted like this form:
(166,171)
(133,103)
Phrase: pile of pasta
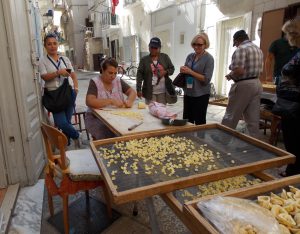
(285,207)
(219,186)
(128,114)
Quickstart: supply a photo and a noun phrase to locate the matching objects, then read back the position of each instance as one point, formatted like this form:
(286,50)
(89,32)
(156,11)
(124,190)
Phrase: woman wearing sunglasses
(198,68)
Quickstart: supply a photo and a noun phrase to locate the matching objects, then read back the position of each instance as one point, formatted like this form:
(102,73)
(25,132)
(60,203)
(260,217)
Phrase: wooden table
(199,224)
(265,115)
(120,124)
(269,87)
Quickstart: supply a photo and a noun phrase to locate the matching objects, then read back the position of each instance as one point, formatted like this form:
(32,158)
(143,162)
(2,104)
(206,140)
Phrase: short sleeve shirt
(283,52)
(46,66)
(249,57)
(92,89)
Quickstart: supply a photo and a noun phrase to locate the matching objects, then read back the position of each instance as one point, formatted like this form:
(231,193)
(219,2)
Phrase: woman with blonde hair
(198,69)
(288,98)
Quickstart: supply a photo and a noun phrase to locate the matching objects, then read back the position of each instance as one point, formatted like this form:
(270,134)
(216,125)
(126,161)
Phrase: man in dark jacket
(153,74)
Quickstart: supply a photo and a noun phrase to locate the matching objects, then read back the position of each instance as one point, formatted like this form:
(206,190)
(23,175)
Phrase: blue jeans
(63,120)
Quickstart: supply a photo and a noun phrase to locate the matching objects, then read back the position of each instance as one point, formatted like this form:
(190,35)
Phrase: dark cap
(155,42)
(239,34)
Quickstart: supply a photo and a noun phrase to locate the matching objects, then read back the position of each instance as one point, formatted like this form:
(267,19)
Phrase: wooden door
(20,107)
(272,22)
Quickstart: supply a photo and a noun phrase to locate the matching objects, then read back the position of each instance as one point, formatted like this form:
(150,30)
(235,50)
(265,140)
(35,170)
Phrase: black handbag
(171,96)
(58,100)
(180,80)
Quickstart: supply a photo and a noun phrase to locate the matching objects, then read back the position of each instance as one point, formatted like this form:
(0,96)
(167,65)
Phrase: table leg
(152,215)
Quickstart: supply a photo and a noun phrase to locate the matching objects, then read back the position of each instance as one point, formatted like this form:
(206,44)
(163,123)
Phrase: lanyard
(58,64)
(157,72)
(193,62)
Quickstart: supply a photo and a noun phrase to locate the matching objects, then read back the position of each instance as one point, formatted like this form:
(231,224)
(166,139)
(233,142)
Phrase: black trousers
(291,135)
(195,108)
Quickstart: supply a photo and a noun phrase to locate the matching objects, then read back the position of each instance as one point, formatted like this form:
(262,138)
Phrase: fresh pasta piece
(286,220)
(297,219)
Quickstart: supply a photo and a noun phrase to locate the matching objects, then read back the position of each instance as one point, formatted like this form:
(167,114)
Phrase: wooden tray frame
(177,207)
(268,89)
(218,102)
(198,224)
(168,186)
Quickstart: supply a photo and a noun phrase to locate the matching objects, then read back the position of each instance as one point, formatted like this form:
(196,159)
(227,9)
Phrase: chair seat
(83,165)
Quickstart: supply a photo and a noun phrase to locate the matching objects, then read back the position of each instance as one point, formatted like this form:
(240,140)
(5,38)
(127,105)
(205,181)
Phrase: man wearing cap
(153,74)
(244,95)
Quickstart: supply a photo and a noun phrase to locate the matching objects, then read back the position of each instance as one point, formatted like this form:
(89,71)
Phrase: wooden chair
(69,172)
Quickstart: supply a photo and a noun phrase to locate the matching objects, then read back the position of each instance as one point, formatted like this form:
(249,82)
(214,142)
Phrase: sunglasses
(198,44)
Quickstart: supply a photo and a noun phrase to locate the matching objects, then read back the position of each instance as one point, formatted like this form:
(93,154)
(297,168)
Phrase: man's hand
(228,77)
(139,94)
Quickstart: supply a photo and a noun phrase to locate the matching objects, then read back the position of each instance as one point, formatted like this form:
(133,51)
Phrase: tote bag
(58,100)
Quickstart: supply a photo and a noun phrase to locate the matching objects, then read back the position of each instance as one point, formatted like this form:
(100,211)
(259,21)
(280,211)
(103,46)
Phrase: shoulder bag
(171,96)
(180,80)
(58,100)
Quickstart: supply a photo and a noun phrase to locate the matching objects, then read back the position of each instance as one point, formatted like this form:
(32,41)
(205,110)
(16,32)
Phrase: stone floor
(128,223)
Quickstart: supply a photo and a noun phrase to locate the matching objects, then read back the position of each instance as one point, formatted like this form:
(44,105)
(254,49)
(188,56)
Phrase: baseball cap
(238,34)
(155,42)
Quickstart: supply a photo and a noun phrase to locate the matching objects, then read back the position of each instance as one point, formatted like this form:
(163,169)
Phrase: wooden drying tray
(198,224)
(177,207)
(219,102)
(281,157)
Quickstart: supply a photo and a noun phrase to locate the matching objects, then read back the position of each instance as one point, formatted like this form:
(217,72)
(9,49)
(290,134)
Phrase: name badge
(189,82)
(154,80)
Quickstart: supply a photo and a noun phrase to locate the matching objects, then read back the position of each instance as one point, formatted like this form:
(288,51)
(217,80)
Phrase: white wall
(178,19)
(76,32)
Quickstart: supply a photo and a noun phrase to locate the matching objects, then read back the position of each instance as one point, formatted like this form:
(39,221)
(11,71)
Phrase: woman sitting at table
(106,91)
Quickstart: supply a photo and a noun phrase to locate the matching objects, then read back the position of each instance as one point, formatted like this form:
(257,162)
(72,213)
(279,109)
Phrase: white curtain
(225,49)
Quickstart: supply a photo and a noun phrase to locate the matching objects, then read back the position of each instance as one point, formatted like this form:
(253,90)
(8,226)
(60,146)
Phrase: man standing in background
(280,52)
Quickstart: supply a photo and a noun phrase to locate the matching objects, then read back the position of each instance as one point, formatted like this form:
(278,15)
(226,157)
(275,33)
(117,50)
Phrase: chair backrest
(53,138)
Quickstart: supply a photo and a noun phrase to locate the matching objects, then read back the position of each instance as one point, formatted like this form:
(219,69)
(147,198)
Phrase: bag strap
(58,64)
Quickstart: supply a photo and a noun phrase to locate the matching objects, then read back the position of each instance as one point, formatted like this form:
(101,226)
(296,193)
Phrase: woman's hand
(185,70)
(128,103)
(117,103)
(63,72)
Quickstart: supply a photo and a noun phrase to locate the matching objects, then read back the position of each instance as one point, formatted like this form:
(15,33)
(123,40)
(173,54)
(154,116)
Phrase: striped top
(250,57)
